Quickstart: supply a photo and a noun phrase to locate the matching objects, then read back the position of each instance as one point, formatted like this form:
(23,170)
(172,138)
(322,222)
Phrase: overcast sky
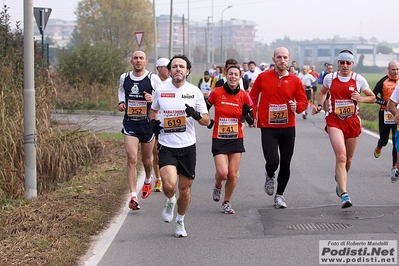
(296,19)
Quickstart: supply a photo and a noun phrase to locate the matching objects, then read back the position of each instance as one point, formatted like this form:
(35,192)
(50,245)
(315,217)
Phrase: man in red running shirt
(277,95)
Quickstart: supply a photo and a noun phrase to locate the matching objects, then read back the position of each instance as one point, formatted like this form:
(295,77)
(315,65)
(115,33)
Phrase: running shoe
(269,185)
(394,175)
(180,230)
(304,114)
(226,208)
(147,188)
(346,201)
(167,212)
(134,204)
(279,202)
(377,152)
(216,193)
(158,185)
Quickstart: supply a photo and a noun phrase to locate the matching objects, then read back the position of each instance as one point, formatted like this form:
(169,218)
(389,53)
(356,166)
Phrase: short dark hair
(231,61)
(346,51)
(181,56)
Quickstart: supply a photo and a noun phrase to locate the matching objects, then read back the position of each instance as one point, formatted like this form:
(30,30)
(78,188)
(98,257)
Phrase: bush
(91,63)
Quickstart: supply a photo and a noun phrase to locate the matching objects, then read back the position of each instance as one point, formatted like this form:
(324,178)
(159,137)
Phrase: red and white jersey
(341,89)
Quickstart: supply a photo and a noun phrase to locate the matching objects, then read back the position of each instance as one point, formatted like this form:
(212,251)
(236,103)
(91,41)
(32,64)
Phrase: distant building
(238,36)
(60,31)
(328,52)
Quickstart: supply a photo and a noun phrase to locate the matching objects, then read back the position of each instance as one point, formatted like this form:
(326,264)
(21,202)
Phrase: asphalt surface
(258,234)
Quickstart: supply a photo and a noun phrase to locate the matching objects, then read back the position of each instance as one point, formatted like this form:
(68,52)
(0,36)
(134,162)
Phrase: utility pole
(188,33)
(188,36)
(208,50)
(221,37)
(171,30)
(212,39)
(184,37)
(30,138)
(154,20)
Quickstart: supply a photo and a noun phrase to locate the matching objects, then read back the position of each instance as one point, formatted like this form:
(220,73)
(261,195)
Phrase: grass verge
(56,228)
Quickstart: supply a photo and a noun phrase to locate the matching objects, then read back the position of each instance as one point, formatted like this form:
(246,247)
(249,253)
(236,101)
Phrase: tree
(115,22)
(91,63)
(384,48)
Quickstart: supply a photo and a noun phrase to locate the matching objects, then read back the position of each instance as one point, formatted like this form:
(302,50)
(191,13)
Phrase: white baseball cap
(162,62)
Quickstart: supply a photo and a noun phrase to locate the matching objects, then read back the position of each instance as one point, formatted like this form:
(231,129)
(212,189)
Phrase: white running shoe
(226,208)
(269,185)
(180,230)
(279,202)
(394,175)
(167,212)
(304,114)
(216,193)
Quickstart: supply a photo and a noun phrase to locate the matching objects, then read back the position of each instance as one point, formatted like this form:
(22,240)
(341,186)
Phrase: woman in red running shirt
(231,103)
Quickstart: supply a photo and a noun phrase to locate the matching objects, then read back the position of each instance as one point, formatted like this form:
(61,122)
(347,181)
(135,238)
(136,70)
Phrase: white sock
(147,180)
(133,194)
(172,199)
(179,217)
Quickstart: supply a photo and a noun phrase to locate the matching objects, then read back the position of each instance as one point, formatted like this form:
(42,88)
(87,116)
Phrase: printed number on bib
(344,108)
(388,117)
(174,121)
(278,114)
(137,110)
(228,128)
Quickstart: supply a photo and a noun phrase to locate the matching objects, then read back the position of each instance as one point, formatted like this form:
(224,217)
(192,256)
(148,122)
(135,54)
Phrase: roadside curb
(87,112)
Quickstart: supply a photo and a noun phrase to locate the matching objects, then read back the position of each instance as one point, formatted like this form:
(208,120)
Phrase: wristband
(120,103)
(319,105)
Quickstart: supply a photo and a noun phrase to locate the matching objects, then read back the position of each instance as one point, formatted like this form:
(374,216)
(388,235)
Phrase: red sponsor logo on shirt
(167,95)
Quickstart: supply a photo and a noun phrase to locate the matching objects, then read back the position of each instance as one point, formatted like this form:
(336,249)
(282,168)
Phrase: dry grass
(86,97)
(56,228)
(79,188)
(59,154)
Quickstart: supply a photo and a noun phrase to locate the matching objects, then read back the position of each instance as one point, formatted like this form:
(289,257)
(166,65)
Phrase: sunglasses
(345,62)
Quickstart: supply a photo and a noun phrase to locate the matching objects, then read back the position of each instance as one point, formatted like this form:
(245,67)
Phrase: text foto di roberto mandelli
(358,251)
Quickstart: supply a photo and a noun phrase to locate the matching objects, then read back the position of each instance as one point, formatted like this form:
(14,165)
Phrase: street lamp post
(171,30)
(208,49)
(154,21)
(221,36)
(212,39)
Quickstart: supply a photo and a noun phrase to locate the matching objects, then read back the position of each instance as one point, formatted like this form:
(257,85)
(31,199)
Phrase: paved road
(107,122)
(259,234)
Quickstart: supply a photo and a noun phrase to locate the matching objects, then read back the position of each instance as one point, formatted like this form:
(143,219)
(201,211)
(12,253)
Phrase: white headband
(346,56)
